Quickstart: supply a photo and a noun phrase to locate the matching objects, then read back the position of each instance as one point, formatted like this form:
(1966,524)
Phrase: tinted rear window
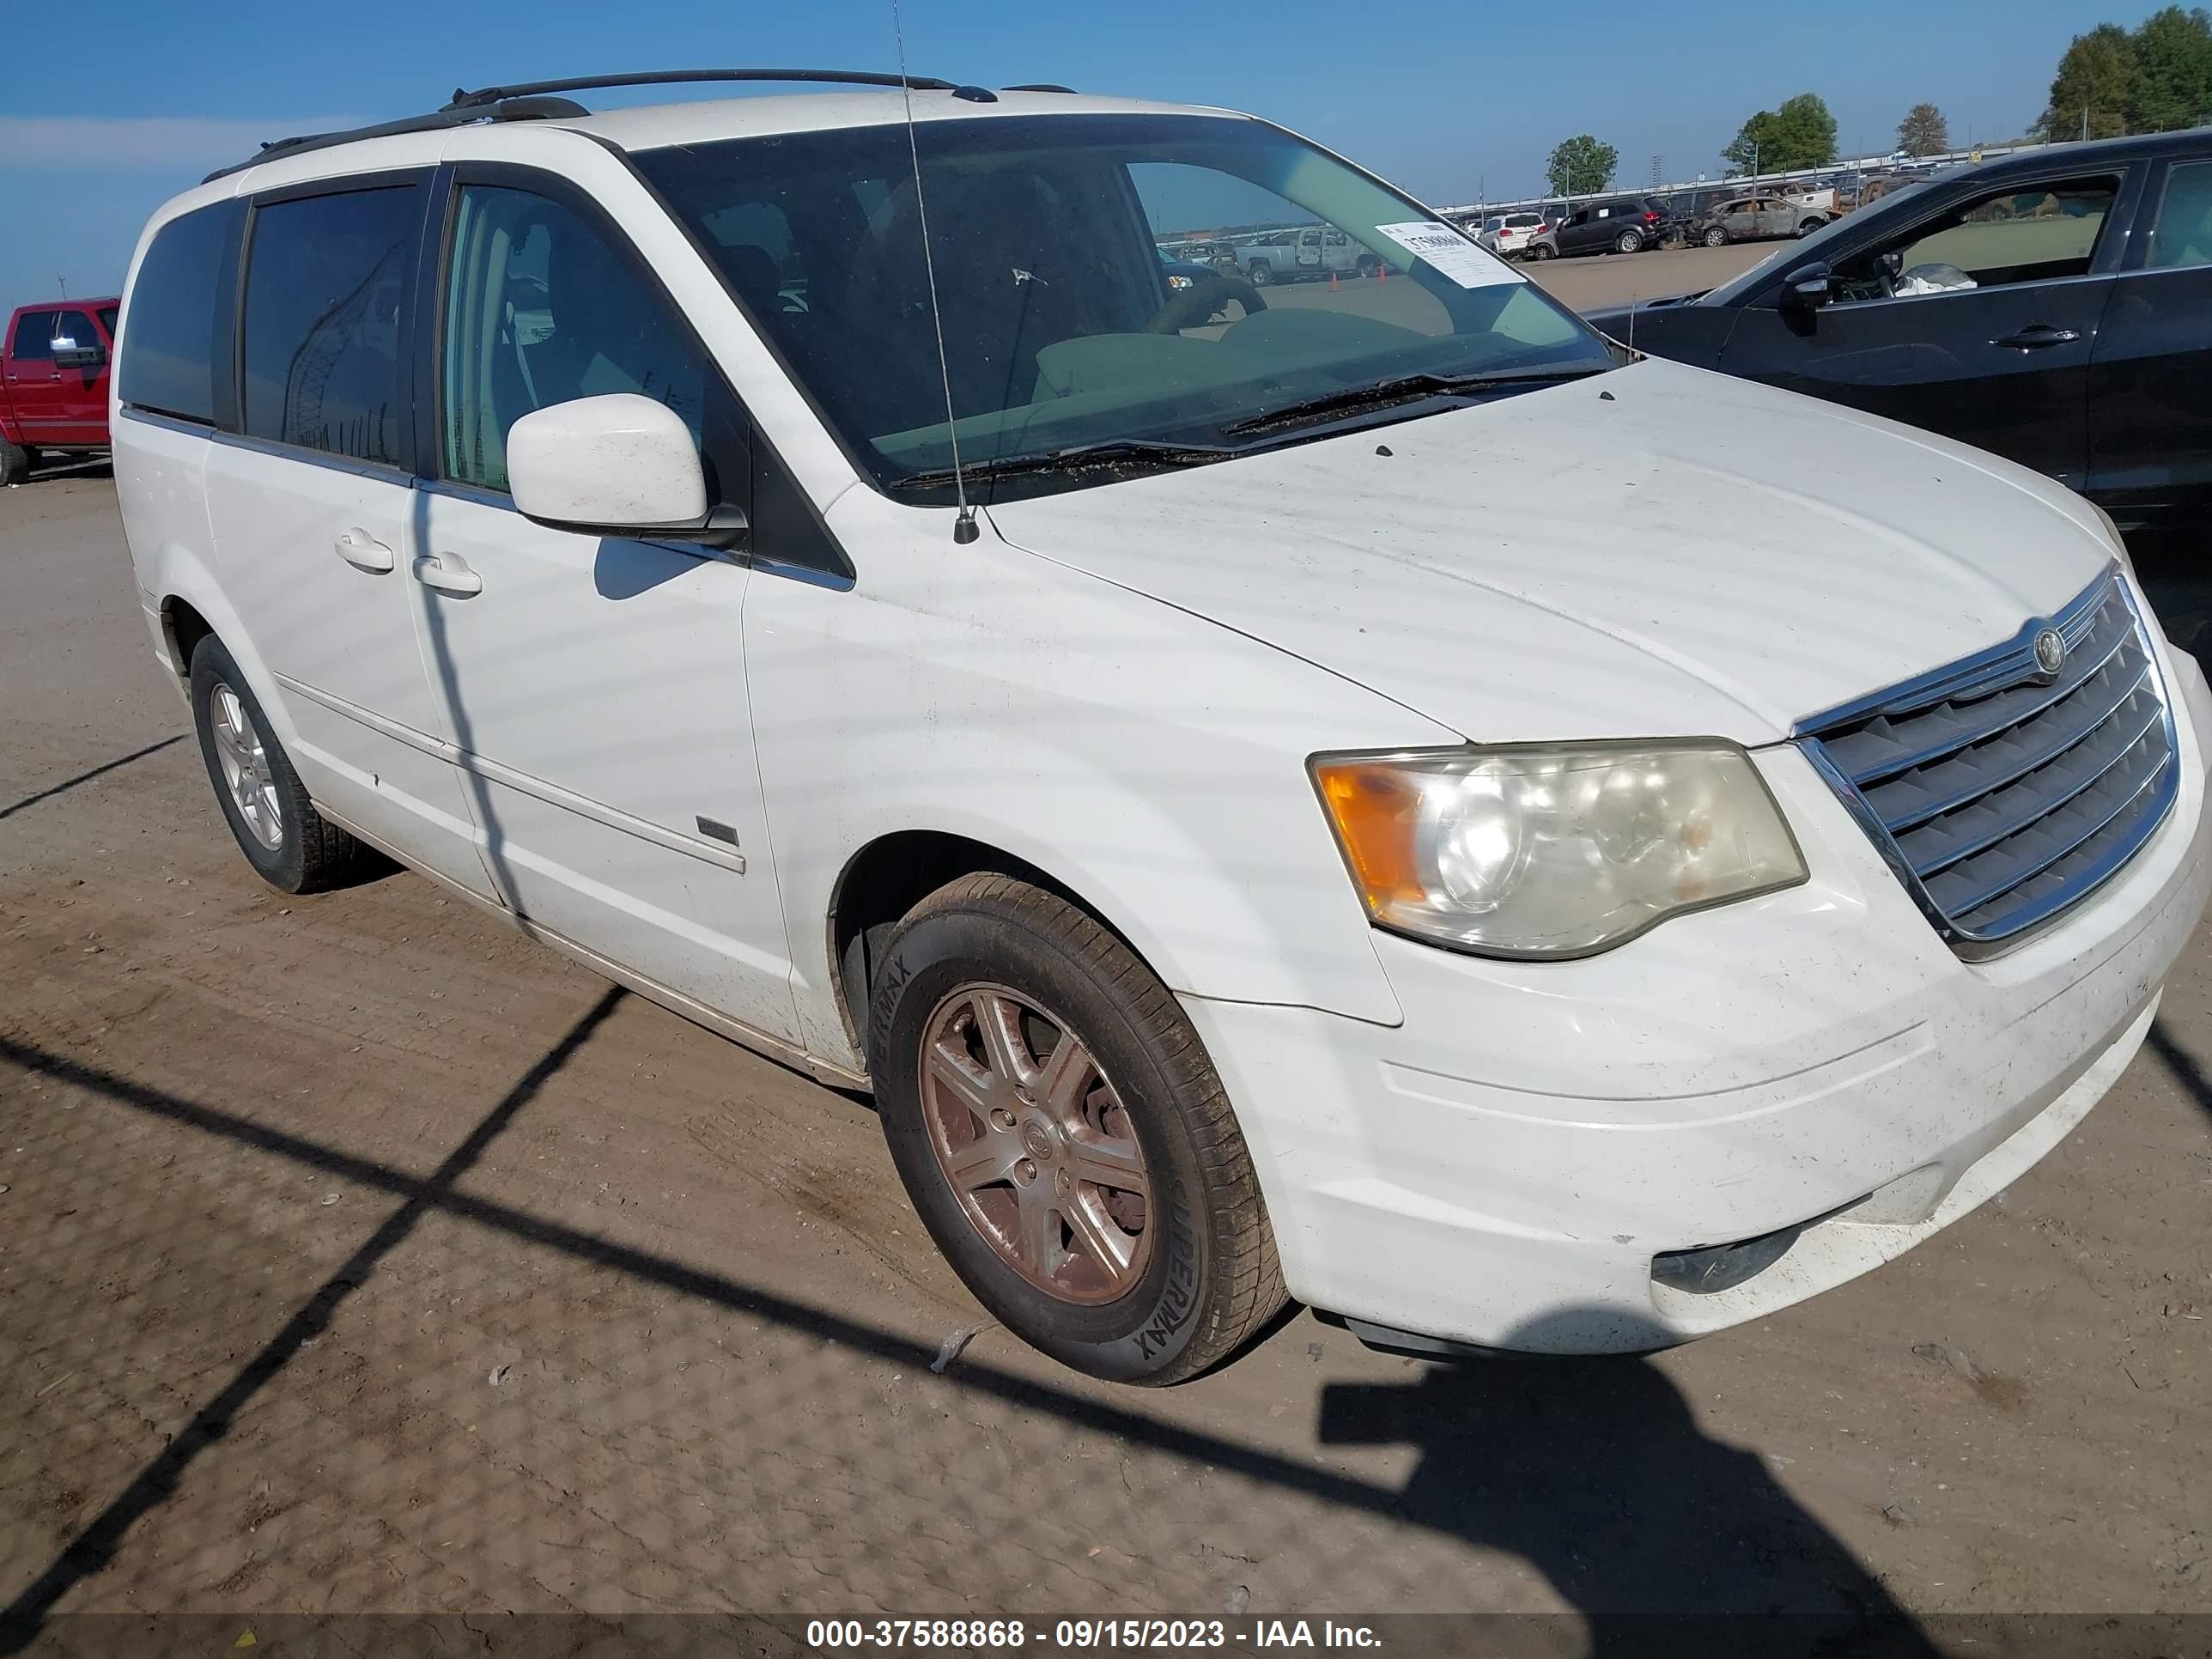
(324,278)
(168,359)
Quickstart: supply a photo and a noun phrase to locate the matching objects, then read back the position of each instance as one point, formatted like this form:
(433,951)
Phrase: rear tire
(15,463)
(1628,241)
(1810,226)
(292,847)
(984,985)
(1543,251)
(1260,273)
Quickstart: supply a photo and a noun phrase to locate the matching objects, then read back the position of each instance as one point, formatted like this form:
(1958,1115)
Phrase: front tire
(15,463)
(275,823)
(1716,237)
(1064,1137)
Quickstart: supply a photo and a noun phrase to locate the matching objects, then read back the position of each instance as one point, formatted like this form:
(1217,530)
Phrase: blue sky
(1446,100)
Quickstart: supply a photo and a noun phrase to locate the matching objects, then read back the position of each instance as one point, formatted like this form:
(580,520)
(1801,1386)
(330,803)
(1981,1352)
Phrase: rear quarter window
(174,315)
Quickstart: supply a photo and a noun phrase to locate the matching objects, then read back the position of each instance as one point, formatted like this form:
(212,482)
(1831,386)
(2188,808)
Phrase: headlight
(1554,852)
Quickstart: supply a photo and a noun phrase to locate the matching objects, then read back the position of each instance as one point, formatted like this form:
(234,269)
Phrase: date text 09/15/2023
(983,1635)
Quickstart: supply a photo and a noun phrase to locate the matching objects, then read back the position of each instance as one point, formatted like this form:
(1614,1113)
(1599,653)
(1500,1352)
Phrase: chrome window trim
(185,425)
(1999,666)
(391,473)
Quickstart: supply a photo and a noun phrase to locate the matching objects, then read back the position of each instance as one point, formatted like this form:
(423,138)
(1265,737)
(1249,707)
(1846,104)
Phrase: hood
(1691,554)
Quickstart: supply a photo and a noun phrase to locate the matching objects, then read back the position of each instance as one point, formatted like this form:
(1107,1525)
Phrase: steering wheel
(1187,308)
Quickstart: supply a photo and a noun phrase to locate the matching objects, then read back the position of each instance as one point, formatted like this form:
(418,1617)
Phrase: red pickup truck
(53,381)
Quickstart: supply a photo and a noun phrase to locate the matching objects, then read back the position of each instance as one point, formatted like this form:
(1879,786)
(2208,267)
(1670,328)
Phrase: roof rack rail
(464,99)
(506,109)
(1039,86)
(534,101)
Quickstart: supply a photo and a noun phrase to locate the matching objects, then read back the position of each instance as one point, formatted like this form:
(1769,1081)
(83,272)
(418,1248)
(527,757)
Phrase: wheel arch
(190,608)
(888,876)
(182,629)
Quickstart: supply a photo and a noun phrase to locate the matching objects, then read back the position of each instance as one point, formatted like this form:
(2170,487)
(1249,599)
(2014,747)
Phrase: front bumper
(1502,1168)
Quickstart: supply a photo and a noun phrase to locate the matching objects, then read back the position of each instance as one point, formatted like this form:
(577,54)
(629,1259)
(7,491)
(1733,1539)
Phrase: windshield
(1806,249)
(1061,329)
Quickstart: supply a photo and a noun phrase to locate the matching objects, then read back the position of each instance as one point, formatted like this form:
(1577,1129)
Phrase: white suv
(1237,870)
(1511,234)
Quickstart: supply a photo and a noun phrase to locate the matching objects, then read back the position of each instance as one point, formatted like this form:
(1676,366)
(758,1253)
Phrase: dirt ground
(1615,279)
(356,1254)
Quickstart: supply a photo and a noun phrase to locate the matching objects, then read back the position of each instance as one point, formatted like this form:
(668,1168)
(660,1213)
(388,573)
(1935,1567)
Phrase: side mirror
(1808,289)
(68,354)
(619,464)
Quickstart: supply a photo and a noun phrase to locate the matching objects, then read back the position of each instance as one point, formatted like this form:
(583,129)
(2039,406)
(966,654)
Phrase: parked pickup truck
(1285,256)
(53,381)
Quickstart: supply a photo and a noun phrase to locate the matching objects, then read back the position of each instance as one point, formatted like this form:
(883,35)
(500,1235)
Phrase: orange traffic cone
(1333,283)
(1383,274)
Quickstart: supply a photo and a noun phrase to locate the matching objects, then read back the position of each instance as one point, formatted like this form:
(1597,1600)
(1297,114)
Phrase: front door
(1979,324)
(596,688)
(312,509)
(2150,419)
(81,387)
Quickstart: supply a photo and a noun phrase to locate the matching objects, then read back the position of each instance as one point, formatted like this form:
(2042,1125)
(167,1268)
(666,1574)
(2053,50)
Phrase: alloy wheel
(244,758)
(1036,1144)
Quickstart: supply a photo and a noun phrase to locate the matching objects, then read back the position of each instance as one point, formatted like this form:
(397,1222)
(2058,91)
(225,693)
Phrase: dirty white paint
(618,458)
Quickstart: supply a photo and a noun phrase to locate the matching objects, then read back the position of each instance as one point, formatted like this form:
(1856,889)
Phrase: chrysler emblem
(2050,653)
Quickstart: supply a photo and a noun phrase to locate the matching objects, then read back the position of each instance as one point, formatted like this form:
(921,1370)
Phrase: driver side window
(2018,233)
(540,310)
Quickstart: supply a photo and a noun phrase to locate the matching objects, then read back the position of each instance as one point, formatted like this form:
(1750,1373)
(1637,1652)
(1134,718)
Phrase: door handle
(2036,336)
(446,572)
(363,551)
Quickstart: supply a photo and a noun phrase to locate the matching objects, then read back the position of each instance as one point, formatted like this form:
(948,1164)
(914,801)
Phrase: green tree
(1802,133)
(1753,144)
(1924,131)
(1580,166)
(1806,131)
(2173,85)
(2092,93)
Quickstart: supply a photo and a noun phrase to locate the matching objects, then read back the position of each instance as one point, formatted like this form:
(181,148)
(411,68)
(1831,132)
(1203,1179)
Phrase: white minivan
(803,559)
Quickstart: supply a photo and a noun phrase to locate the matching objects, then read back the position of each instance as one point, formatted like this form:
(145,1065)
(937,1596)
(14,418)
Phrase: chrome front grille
(1999,792)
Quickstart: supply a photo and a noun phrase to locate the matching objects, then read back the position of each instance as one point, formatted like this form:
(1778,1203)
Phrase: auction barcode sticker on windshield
(1452,253)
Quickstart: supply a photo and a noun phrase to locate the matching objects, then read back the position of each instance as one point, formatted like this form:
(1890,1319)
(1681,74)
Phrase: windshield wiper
(1403,388)
(1133,452)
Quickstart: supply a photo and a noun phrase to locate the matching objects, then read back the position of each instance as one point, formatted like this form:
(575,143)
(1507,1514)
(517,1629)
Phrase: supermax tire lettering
(1177,1303)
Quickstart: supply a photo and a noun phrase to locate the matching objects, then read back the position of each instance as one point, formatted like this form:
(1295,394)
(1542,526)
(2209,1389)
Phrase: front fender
(1151,762)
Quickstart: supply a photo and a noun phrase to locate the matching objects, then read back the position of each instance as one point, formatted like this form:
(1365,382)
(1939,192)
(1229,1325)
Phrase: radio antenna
(963,525)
